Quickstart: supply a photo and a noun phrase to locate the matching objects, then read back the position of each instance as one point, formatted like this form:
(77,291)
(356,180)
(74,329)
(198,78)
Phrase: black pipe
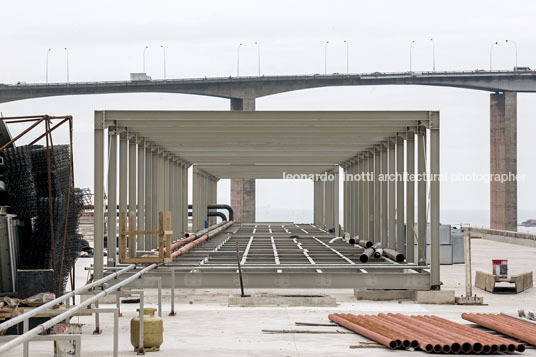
(221,206)
(213,214)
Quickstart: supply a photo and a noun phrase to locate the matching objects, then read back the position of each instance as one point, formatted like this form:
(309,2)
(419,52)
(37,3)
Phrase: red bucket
(500,267)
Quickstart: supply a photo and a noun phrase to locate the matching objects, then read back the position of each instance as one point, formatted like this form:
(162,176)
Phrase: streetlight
(326,57)
(48,51)
(491,55)
(238,60)
(433,54)
(164,50)
(347,57)
(258,57)
(67,53)
(515,45)
(144,51)
(411,56)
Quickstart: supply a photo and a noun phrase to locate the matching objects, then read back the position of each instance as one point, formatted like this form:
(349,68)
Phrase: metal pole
(377,196)
(491,55)
(48,51)
(326,57)
(400,196)
(258,57)
(391,190)
(144,51)
(172,313)
(156,167)
(112,198)
(347,57)
(410,197)
(238,60)
(132,194)
(434,202)
(433,54)
(515,46)
(141,194)
(384,199)
(411,56)
(421,196)
(48,324)
(164,50)
(98,227)
(370,185)
(67,52)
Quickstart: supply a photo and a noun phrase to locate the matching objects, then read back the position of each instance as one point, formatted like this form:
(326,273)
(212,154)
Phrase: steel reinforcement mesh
(27,183)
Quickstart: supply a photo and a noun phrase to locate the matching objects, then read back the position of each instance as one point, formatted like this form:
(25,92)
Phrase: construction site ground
(206,326)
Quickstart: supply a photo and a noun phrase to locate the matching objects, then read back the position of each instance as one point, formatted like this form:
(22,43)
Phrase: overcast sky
(106,39)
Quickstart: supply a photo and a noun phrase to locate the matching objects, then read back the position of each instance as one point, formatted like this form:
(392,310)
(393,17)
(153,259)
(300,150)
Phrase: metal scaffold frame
(269,144)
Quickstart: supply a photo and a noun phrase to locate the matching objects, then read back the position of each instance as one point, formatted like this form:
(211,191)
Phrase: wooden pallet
(164,240)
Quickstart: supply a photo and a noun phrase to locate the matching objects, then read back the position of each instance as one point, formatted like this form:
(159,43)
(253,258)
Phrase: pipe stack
(510,326)
(198,239)
(367,253)
(429,333)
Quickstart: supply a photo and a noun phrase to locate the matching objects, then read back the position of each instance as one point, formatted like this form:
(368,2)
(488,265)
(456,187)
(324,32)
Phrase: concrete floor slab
(281,300)
(205,325)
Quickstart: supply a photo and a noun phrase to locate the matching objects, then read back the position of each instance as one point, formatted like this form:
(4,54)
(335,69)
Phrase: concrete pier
(503,160)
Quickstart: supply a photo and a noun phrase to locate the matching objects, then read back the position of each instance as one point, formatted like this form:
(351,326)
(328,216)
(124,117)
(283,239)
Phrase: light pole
(48,51)
(347,57)
(144,51)
(515,46)
(433,54)
(258,57)
(411,56)
(491,55)
(67,54)
(326,57)
(164,50)
(238,60)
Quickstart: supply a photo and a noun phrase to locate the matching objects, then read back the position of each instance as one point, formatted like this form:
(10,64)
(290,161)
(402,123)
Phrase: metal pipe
(200,240)
(213,214)
(365,243)
(394,255)
(491,321)
(378,253)
(365,256)
(338,319)
(220,206)
(48,324)
(30,313)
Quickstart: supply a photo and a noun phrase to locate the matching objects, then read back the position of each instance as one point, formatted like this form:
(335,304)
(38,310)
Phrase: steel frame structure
(257,144)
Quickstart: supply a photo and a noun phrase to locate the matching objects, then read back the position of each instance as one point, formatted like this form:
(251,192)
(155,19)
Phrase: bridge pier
(503,160)
(243,190)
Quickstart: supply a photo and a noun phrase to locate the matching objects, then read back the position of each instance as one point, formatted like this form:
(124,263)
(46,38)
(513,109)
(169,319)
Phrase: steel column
(112,198)
(384,238)
(377,196)
(410,197)
(156,200)
(149,195)
(132,193)
(141,194)
(98,181)
(434,202)
(421,195)
(400,196)
(391,190)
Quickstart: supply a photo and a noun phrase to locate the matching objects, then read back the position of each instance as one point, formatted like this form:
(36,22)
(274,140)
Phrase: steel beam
(410,197)
(112,198)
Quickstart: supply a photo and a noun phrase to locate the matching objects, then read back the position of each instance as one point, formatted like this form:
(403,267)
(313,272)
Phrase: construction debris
(510,326)
(428,333)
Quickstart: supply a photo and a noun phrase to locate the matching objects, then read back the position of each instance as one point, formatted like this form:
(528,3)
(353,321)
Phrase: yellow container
(153,331)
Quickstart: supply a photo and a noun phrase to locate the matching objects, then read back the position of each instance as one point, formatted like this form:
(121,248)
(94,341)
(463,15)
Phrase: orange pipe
(338,319)
(517,330)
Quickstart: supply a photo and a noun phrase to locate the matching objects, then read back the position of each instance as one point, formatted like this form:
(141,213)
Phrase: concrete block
(384,295)
(435,297)
(485,281)
(261,300)
(469,300)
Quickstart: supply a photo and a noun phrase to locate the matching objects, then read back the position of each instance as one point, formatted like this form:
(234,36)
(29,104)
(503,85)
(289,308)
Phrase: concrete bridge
(242,91)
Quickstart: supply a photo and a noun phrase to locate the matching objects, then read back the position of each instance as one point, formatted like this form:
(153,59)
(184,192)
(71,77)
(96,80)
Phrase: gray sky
(106,40)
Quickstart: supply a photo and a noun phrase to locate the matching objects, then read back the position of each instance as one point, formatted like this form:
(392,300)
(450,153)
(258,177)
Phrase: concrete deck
(205,326)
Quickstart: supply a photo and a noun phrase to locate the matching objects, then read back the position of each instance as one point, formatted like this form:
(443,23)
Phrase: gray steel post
(155,195)
(384,199)
(132,173)
(410,197)
(195,199)
(346,200)
(141,194)
(185,197)
(434,202)
(421,195)
(180,211)
(400,196)
(172,312)
(377,196)
(370,190)
(98,181)
(361,200)
(166,183)
(123,172)
(112,198)
(336,201)
(391,189)
(149,218)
